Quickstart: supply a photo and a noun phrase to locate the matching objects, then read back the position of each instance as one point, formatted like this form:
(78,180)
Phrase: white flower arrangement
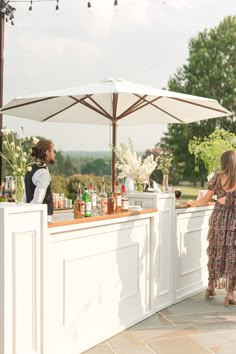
(130,165)
(17,158)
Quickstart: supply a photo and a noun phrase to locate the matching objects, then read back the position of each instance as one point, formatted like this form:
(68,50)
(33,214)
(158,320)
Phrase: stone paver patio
(193,326)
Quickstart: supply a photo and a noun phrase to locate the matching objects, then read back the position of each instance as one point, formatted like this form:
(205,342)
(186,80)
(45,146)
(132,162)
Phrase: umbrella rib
(77,101)
(198,104)
(129,110)
(161,109)
(58,112)
(101,110)
(27,103)
(185,101)
(138,106)
(169,114)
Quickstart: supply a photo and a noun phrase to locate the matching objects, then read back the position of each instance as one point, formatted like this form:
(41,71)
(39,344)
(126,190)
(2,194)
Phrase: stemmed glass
(9,186)
(178,193)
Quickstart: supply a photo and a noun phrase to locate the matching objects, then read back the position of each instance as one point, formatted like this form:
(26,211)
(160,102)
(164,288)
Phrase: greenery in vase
(163,161)
(17,152)
(211,148)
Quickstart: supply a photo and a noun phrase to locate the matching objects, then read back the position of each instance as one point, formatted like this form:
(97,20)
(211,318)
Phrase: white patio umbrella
(116,103)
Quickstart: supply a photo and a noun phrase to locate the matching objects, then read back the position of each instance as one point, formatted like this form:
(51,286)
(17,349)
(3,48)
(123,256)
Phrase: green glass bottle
(87,203)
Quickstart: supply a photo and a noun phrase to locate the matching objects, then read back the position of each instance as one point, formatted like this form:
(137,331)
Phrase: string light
(7,10)
(31,6)
(57,7)
(116,5)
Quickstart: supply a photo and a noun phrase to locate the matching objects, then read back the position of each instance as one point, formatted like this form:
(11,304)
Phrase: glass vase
(165,184)
(138,186)
(19,189)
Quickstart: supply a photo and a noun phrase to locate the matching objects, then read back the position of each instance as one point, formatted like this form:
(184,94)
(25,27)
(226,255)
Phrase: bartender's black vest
(30,188)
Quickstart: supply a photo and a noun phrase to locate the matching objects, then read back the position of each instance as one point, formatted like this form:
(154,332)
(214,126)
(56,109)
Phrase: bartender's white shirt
(41,179)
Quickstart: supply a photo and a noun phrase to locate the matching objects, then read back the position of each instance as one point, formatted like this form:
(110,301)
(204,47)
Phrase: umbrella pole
(113,162)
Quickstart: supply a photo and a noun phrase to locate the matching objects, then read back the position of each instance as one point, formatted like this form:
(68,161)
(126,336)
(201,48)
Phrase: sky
(145,41)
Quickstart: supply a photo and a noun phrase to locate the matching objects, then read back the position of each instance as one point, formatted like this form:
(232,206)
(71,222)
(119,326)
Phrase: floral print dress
(222,237)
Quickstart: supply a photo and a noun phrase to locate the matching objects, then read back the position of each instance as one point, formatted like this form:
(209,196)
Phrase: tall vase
(20,187)
(165,184)
(138,186)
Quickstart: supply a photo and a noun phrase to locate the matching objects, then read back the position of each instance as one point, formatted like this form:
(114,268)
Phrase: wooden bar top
(115,215)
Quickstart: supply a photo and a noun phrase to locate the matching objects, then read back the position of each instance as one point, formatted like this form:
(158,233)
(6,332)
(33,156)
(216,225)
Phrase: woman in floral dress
(222,228)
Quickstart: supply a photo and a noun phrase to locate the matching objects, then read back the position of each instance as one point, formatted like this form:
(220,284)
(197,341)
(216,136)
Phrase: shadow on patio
(193,326)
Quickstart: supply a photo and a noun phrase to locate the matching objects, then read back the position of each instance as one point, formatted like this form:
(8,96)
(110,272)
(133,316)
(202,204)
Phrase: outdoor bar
(72,284)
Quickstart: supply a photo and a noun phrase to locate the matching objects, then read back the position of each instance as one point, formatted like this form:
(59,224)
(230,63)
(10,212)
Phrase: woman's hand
(191,203)
(202,201)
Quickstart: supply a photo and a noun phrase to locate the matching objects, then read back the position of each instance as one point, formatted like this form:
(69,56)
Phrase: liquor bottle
(90,188)
(93,194)
(54,201)
(103,198)
(110,204)
(124,199)
(87,203)
(117,197)
(78,205)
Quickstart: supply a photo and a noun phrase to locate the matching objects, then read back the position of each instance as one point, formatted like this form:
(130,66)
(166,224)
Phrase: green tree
(210,71)
(210,149)
(98,167)
(65,165)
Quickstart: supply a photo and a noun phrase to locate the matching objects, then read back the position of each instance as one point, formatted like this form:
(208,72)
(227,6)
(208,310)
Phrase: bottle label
(124,205)
(82,207)
(94,200)
(103,205)
(88,208)
(110,206)
(118,201)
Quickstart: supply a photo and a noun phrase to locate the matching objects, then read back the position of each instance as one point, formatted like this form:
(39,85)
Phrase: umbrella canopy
(116,103)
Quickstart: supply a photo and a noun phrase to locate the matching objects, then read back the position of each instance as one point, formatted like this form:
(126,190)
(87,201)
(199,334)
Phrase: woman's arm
(202,201)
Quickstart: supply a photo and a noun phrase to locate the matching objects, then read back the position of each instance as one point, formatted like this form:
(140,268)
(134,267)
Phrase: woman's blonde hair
(228,168)
(39,150)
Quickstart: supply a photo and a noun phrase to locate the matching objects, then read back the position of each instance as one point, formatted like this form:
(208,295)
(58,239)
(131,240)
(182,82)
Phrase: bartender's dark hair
(39,150)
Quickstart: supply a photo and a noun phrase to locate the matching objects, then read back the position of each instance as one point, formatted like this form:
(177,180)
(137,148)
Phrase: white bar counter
(69,286)
(98,278)
(72,284)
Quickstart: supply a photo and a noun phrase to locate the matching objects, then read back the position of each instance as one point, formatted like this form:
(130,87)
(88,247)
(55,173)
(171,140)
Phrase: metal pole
(2,25)
(113,163)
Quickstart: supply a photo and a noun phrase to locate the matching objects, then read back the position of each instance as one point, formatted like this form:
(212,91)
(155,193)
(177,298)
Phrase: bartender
(38,180)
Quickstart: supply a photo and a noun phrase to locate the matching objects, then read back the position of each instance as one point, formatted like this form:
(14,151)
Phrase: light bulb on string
(30,7)
(116,5)
(90,6)
(57,8)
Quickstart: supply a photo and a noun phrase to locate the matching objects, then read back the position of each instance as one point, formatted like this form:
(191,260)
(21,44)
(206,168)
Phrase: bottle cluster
(61,202)
(90,203)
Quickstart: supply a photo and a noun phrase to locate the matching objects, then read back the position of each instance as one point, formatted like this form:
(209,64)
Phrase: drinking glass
(178,193)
